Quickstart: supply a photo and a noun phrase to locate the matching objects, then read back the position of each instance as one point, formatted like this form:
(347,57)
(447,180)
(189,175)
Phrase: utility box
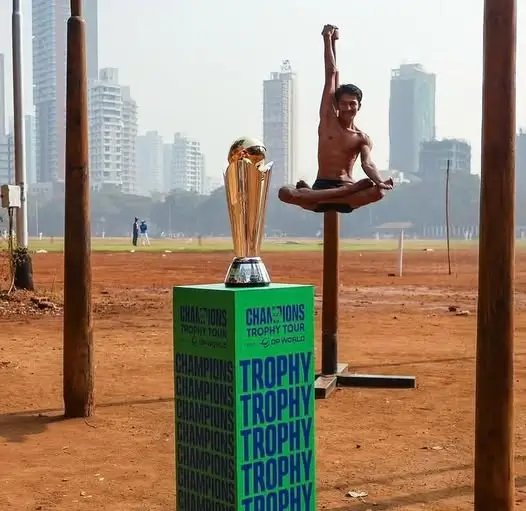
(10,195)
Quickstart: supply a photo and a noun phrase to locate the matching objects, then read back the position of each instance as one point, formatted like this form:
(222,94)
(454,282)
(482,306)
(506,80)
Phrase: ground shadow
(18,427)
(389,479)
(417,498)
(112,404)
(470,358)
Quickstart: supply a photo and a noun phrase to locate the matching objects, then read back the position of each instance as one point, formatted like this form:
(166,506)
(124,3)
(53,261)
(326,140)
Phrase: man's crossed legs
(332,195)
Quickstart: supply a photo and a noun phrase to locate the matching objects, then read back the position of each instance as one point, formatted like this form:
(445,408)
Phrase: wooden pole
(331,277)
(494,466)
(447,218)
(78,326)
(329,313)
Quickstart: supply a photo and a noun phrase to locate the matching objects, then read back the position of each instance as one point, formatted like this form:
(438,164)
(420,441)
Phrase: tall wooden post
(494,467)
(331,276)
(78,324)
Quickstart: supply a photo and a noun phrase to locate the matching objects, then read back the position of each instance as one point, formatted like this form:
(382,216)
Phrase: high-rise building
(6,141)
(113,133)
(7,159)
(167,167)
(91,13)
(279,124)
(49,18)
(202,184)
(411,115)
(30,149)
(520,156)
(106,129)
(435,155)
(150,149)
(186,165)
(130,123)
(2,95)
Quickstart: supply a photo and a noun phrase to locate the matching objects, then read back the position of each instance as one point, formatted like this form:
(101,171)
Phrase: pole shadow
(418,498)
(470,358)
(17,428)
(409,475)
(43,411)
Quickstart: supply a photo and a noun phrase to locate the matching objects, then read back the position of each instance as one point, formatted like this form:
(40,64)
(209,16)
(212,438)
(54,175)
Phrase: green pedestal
(244,398)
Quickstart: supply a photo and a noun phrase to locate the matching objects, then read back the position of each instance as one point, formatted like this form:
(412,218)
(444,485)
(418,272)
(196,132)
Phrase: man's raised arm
(327,99)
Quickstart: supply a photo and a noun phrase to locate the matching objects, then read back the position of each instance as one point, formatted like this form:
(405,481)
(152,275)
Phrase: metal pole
(78,366)
(19,131)
(494,446)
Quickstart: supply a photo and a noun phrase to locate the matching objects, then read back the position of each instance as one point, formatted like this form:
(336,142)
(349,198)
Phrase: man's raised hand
(330,31)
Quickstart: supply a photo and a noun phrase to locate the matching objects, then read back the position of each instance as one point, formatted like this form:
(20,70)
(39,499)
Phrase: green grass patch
(271,245)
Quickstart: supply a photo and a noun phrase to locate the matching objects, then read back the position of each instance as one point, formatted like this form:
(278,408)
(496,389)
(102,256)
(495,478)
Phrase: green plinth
(244,398)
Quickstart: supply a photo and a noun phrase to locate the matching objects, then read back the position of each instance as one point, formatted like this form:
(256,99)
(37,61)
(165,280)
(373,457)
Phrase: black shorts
(329,184)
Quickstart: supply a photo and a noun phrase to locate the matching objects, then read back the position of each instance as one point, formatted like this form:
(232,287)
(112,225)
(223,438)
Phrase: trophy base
(247,272)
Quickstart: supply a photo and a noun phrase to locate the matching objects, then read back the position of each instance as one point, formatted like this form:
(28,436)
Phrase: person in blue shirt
(143,230)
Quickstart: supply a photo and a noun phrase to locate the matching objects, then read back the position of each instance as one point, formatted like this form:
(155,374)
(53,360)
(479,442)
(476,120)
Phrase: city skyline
(456,61)
(48,28)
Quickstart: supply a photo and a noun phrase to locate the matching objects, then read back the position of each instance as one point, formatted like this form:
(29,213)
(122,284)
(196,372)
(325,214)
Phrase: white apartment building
(150,149)
(106,129)
(279,124)
(129,142)
(186,165)
(167,167)
(49,21)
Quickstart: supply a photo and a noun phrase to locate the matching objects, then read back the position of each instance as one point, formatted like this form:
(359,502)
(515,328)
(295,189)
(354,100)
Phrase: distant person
(143,228)
(135,232)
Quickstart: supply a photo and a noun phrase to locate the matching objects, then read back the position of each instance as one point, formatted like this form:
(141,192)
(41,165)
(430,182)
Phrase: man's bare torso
(338,149)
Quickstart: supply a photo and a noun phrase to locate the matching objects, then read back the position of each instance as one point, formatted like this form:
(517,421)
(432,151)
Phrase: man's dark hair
(349,89)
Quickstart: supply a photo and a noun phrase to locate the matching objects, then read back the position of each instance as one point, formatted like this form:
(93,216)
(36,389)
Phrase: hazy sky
(197,66)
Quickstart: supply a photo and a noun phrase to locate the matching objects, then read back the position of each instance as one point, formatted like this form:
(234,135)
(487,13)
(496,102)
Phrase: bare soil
(409,450)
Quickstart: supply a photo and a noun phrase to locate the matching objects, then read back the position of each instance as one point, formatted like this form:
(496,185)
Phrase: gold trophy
(247,180)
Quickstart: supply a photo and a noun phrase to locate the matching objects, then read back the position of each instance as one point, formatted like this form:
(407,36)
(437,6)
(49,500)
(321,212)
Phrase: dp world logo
(267,342)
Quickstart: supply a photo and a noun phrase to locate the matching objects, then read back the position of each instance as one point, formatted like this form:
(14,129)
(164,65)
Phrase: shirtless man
(340,143)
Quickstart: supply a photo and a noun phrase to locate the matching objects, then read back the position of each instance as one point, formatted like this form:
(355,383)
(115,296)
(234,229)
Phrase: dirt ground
(408,449)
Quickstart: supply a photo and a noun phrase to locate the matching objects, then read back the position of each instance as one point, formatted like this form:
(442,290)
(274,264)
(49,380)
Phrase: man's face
(348,106)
